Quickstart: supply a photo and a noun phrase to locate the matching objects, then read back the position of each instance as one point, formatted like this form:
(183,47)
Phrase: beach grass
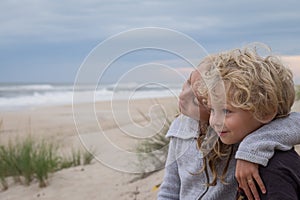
(29,159)
(153,150)
(77,157)
(87,157)
(297,89)
(25,160)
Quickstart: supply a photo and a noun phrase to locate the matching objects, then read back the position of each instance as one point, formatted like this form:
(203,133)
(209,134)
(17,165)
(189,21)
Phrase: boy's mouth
(222,133)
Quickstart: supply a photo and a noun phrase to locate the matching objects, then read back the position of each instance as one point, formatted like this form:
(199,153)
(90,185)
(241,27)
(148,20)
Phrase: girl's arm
(170,187)
(281,134)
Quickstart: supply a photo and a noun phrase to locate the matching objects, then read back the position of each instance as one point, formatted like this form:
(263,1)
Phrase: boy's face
(189,104)
(230,123)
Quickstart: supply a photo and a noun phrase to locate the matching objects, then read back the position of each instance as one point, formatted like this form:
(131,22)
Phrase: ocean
(16,96)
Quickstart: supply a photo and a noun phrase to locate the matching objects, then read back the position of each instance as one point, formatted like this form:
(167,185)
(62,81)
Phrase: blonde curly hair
(261,85)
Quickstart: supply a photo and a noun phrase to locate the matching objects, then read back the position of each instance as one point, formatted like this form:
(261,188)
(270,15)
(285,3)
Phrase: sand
(110,176)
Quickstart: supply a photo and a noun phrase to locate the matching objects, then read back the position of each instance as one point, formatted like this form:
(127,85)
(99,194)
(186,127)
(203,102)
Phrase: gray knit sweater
(182,179)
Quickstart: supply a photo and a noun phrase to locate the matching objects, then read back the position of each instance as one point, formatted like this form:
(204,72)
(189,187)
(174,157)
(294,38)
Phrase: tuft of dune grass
(148,156)
(297,89)
(31,159)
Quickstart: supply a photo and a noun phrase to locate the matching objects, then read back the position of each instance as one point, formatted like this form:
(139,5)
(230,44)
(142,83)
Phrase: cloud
(80,20)
(44,30)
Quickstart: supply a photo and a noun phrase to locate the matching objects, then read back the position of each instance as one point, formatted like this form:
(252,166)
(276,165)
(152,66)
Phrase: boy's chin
(226,141)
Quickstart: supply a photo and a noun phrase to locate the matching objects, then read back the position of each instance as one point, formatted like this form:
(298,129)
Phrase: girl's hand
(247,174)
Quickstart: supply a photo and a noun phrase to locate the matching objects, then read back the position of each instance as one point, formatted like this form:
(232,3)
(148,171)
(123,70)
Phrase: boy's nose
(216,120)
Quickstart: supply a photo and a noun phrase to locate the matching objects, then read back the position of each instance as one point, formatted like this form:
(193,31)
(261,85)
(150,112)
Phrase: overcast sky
(48,40)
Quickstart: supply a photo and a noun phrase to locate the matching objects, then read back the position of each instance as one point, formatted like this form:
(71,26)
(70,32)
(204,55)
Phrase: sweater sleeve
(170,187)
(281,134)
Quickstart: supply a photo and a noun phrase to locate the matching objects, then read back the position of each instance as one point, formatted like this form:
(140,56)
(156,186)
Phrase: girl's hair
(261,85)
(215,154)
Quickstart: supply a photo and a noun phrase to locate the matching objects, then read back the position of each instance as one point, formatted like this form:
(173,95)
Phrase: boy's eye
(226,111)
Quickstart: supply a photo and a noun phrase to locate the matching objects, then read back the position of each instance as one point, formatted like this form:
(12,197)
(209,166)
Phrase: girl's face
(189,104)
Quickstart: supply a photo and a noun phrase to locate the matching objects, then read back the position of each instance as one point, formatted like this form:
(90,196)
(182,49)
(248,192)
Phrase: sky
(47,41)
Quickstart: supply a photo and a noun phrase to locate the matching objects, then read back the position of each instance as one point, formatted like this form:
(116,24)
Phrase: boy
(244,92)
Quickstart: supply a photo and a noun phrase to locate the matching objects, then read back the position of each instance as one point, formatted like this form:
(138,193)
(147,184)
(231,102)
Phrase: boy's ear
(267,118)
